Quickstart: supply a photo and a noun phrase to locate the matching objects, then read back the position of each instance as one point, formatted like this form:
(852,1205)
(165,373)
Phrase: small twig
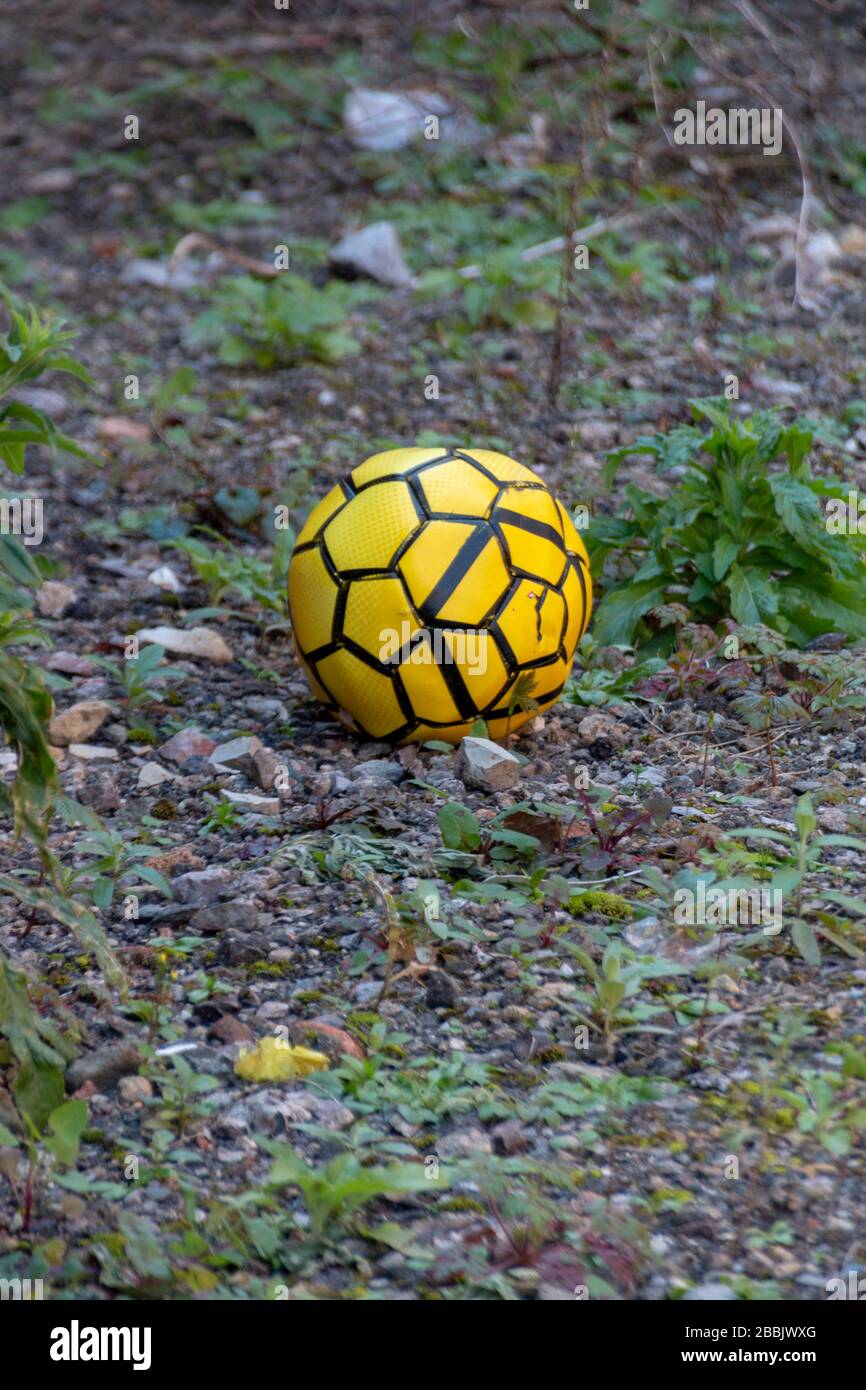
(559,243)
(200,241)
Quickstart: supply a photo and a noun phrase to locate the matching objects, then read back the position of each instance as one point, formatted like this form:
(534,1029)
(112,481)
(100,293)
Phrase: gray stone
(268,768)
(243,948)
(237,754)
(377,120)
(266,708)
(374,251)
(201,886)
(100,794)
(54,599)
(236,915)
(379,770)
(269,1110)
(464,1143)
(481,763)
(105,1066)
(650,776)
(93,753)
(441,991)
(151,775)
(251,801)
(598,727)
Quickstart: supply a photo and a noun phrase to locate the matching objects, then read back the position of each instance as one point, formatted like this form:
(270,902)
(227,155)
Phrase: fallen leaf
(274,1060)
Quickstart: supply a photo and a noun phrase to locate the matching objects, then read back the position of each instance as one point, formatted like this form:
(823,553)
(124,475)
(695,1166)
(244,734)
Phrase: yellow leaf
(272,1059)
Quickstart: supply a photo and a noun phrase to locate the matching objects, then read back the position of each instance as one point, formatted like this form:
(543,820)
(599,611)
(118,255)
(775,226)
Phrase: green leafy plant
(337,1189)
(35,1047)
(267,322)
(139,675)
(492,840)
(611,1007)
(113,862)
(225,569)
(799,856)
(740,535)
(32,345)
(641,269)
(56,1132)
(605,678)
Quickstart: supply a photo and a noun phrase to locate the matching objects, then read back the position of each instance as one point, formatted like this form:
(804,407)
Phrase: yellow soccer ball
(434,587)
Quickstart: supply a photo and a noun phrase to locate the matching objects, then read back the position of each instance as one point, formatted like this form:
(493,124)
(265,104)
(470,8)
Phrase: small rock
(93,753)
(54,599)
(134,1088)
(366,991)
(229,1029)
(509,1137)
(710,1293)
(441,991)
(251,801)
(163,274)
(220,917)
(43,398)
(243,948)
(597,726)
(238,754)
(201,886)
(554,1293)
(115,428)
(105,1066)
(188,743)
(151,775)
(379,770)
(483,764)
(650,776)
(376,120)
(267,767)
(334,1043)
(464,1143)
(78,723)
(69,664)
(265,707)
(374,251)
(164,577)
(201,642)
(100,794)
(268,1111)
(834,819)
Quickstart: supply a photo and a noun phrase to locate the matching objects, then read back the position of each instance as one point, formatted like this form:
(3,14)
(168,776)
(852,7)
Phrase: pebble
(374,251)
(187,743)
(202,642)
(201,886)
(236,916)
(482,764)
(237,754)
(105,1066)
(134,1089)
(378,770)
(152,775)
(54,599)
(93,753)
(78,723)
